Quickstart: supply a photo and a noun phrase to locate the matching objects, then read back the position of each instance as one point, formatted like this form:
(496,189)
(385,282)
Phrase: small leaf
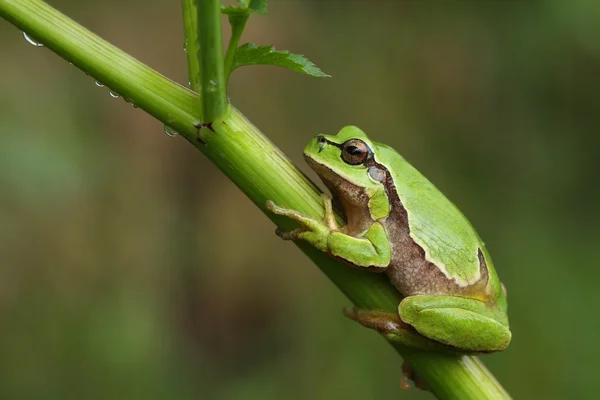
(233,11)
(258,6)
(250,54)
(246,8)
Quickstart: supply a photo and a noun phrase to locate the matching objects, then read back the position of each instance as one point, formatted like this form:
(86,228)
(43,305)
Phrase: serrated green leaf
(246,8)
(251,54)
(234,11)
(258,6)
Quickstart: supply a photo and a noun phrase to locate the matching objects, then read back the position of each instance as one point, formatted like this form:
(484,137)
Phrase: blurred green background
(132,269)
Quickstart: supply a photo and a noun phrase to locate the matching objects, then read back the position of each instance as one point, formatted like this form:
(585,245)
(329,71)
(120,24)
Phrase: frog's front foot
(312,230)
(286,212)
(328,218)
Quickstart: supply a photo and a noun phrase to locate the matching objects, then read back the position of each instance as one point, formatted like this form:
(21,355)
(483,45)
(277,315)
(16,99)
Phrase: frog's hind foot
(393,329)
(289,235)
(409,374)
(383,322)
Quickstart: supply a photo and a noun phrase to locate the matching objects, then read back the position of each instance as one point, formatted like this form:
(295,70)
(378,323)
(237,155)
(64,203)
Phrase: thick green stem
(251,161)
(213,98)
(162,98)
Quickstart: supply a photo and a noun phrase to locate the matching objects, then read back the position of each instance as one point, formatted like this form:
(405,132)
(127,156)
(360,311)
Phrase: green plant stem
(152,92)
(234,40)
(209,52)
(191,46)
(251,161)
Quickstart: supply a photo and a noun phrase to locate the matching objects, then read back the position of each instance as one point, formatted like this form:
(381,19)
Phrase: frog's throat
(351,200)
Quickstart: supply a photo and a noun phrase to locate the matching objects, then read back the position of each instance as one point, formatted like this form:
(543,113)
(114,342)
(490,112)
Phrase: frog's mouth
(327,175)
(337,184)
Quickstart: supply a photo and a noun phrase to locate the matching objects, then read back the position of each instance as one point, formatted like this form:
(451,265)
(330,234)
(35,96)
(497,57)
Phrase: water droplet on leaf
(99,84)
(114,95)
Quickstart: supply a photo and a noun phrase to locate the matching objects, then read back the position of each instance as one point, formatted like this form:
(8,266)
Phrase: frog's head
(346,164)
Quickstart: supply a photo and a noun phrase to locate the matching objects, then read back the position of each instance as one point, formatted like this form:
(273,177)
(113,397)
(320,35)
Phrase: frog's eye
(355,152)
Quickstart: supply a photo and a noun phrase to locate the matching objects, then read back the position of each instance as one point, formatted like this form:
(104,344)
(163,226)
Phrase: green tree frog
(400,224)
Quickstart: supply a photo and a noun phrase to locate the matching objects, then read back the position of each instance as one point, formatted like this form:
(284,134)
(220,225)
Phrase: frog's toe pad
(409,374)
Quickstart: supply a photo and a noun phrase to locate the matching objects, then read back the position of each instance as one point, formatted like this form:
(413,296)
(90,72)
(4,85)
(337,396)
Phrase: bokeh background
(131,268)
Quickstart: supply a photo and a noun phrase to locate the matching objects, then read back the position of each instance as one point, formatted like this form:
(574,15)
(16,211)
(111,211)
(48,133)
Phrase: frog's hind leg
(466,324)
(393,329)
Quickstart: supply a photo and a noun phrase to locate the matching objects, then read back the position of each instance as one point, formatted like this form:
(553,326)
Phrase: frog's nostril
(322,143)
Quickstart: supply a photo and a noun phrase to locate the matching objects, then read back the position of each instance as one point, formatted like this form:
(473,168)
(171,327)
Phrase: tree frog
(399,223)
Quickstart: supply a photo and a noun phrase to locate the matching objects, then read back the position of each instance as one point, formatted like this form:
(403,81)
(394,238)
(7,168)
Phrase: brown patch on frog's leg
(483,269)
(291,235)
(383,322)
(409,374)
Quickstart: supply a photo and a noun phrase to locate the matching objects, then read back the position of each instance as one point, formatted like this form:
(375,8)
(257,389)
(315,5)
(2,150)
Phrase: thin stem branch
(213,100)
(251,161)
(236,34)
(150,91)
(191,46)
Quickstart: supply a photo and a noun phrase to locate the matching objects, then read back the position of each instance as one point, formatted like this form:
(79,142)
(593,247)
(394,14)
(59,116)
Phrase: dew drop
(213,83)
(31,41)
(130,101)
(114,95)
(170,131)
(99,84)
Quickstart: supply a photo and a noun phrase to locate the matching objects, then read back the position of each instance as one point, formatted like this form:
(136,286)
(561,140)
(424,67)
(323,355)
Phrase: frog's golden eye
(355,152)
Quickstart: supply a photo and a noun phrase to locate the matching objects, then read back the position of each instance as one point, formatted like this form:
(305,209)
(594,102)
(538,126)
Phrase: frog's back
(438,227)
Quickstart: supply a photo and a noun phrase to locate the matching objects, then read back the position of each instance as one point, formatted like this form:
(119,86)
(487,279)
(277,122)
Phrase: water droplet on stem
(30,40)
(170,131)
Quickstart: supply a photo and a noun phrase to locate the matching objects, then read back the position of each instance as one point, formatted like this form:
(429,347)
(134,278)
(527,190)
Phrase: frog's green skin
(398,222)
